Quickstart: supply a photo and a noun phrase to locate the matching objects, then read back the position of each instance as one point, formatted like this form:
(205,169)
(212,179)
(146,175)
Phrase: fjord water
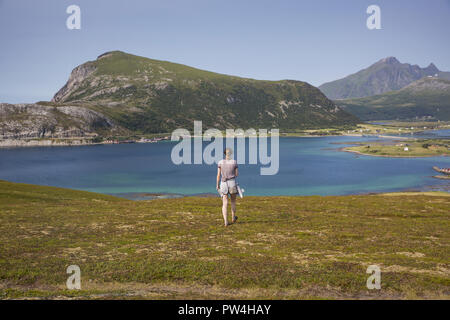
(308,166)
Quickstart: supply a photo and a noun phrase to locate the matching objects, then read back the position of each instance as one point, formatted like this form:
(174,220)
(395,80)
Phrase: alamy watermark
(74,280)
(374,20)
(183,153)
(374,281)
(74,20)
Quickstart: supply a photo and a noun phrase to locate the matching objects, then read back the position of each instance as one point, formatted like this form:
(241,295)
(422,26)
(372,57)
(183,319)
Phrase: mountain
(428,97)
(24,121)
(386,75)
(147,96)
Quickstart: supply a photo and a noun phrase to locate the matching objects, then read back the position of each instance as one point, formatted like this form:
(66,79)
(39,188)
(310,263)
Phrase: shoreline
(162,196)
(150,196)
(442,177)
(389,156)
(157,137)
(76,142)
(134,196)
(147,196)
(5,144)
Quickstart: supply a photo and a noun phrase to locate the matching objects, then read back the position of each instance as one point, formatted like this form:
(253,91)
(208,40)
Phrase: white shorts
(228,187)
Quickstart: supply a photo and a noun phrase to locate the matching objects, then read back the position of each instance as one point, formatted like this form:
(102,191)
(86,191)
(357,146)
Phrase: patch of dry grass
(282,247)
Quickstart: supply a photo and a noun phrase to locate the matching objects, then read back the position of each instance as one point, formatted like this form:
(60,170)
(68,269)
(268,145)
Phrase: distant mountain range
(426,98)
(386,75)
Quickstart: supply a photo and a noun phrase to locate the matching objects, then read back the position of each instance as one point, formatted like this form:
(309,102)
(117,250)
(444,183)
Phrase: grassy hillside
(282,247)
(425,98)
(147,96)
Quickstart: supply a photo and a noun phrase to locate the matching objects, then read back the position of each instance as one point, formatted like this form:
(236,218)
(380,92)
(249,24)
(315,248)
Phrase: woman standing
(227,171)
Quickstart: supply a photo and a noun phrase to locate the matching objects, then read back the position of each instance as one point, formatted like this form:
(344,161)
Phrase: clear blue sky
(314,41)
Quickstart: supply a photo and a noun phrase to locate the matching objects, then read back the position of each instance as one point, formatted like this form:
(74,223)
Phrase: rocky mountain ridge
(386,75)
(31,121)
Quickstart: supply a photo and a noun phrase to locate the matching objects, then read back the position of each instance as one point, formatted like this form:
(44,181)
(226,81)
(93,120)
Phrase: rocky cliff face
(78,75)
(386,75)
(24,121)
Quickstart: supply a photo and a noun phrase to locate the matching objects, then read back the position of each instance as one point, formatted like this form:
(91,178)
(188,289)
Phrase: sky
(313,41)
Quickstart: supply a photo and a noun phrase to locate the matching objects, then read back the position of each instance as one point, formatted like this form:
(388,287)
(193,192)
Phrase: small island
(404,148)
(445,173)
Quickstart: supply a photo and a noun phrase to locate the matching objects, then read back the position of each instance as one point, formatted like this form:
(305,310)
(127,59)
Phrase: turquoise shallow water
(308,166)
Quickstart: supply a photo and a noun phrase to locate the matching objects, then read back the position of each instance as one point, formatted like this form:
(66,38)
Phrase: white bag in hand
(240,191)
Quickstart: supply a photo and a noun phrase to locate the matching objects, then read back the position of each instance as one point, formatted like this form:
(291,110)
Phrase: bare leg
(233,207)
(224,208)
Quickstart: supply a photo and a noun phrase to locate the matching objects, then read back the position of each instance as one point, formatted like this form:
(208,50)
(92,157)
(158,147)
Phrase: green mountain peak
(147,95)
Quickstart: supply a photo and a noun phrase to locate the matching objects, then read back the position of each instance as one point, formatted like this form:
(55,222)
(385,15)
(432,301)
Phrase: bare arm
(218,178)
(236,173)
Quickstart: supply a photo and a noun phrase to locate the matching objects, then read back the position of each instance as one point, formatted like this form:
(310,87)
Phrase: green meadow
(282,247)
(404,149)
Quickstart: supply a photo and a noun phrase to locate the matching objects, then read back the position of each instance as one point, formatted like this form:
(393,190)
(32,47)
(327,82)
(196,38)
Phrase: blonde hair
(228,152)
